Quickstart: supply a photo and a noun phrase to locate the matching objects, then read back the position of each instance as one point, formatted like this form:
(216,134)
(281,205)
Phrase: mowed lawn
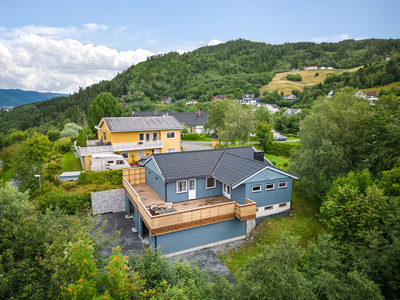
(70,163)
(280,84)
(281,160)
(303,223)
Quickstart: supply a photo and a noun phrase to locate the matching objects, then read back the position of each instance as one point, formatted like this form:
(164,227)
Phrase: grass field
(384,87)
(281,160)
(303,223)
(280,84)
(70,163)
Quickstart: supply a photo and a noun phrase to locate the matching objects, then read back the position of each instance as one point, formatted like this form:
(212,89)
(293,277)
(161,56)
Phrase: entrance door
(192,189)
(227,191)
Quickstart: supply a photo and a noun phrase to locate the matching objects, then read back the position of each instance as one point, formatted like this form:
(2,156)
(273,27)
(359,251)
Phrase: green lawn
(303,223)
(281,160)
(70,163)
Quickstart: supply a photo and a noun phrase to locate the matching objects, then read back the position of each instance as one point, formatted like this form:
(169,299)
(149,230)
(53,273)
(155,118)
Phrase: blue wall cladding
(201,191)
(199,236)
(270,197)
(239,194)
(154,180)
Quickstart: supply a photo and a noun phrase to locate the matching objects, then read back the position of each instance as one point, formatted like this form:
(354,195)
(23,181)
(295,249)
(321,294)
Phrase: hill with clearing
(19,97)
(280,84)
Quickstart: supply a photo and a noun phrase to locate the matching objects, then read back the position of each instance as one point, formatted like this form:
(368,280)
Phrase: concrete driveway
(192,146)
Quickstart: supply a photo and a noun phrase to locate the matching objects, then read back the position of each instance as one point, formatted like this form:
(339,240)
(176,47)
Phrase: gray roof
(192,118)
(207,163)
(291,111)
(126,124)
(151,113)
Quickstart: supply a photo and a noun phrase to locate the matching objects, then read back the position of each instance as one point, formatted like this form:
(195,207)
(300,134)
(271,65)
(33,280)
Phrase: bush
(70,129)
(113,177)
(296,77)
(316,74)
(53,135)
(191,136)
(281,149)
(63,145)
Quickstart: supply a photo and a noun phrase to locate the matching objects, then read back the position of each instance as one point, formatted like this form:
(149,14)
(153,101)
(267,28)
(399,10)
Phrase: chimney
(199,113)
(156,111)
(259,155)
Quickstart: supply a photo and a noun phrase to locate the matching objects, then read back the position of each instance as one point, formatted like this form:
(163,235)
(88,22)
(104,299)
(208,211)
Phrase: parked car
(281,138)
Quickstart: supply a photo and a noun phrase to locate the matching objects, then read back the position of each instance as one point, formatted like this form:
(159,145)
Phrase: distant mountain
(20,97)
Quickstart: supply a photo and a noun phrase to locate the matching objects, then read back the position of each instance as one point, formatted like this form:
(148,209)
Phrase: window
(140,153)
(282,184)
(110,161)
(141,136)
(210,183)
(181,186)
(148,136)
(170,150)
(256,188)
(104,136)
(125,154)
(268,207)
(155,136)
(282,205)
(120,162)
(171,135)
(269,186)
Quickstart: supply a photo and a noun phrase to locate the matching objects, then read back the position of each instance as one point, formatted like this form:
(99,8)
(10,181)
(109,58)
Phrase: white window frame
(127,154)
(170,150)
(170,138)
(148,134)
(211,187)
(139,156)
(269,189)
(141,139)
(155,133)
(282,187)
(256,186)
(177,187)
(282,205)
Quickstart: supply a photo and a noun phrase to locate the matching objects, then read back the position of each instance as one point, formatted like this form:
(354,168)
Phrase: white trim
(171,137)
(185,191)
(283,172)
(282,187)
(171,151)
(273,186)
(242,237)
(158,168)
(139,136)
(256,186)
(211,187)
(244,180)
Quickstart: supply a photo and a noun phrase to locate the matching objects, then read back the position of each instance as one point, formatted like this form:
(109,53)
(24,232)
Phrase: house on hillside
(196,199)
(191,101)
(323,68)
(330,94)
(166,100)
(155,113)
(310,68)
(289,97)
(369,95)
(273,108)
(221,97)
(292,111)
(128,136)
(193,120)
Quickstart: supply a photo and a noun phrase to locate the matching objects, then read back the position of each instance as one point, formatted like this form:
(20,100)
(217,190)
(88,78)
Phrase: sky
(59,46)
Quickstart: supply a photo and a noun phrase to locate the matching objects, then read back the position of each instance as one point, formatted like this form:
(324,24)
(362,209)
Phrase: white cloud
(214,42)
(331,39)
(36,61)
(95,27)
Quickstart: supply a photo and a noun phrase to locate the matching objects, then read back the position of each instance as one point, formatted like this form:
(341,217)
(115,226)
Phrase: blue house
(186,201)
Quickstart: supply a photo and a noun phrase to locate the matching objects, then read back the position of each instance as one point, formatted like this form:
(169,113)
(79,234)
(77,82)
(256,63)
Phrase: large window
(141,136)
(171,135)
(210,183)
(256,188)
(282,184)
(269,186)
(181,186)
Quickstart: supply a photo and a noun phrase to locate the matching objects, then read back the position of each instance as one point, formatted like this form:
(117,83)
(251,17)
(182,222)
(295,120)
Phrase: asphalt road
(199,145)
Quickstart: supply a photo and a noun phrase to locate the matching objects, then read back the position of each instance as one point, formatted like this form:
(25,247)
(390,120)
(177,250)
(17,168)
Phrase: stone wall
(108,201)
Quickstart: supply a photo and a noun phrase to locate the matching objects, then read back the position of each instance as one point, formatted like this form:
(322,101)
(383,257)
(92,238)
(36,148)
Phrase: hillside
(280,84)
(16,97)
(233,68)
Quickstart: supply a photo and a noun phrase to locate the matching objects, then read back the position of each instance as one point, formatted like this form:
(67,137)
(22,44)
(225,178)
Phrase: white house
(330,94)
(310,68)
(369,95)
(292,111)
(323,68)
(289,97)
(273,108)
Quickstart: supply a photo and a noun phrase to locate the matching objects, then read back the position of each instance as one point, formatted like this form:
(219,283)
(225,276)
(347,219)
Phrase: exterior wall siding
(172,196)
(198,236)
(239,194)
(271,197)
(171,143)
(154,180)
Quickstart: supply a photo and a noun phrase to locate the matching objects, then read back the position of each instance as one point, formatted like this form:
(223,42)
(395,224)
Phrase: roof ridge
(216,165)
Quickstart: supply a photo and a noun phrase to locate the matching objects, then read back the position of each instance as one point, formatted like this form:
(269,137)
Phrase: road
(199,145)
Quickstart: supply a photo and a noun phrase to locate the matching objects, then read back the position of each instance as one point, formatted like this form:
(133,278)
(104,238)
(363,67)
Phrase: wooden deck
(149,197)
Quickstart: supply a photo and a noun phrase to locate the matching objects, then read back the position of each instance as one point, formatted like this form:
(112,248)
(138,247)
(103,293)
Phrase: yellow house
(133,138)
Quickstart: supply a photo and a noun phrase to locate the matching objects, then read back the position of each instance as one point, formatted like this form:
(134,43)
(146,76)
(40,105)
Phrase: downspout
(165,188)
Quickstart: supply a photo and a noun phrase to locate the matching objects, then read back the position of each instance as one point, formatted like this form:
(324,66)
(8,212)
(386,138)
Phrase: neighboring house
(289,97)
(323,68)
(197,199)
(292,111)
(275,133)
(194,120)
(166,100)
(369,95)
(221,97)
(387,58)
(295,70)
(191,101)
(137,136)
(330,68)
(273,108)
(124,104)
(155,113)
(330,94)
(247,99)
(311,68)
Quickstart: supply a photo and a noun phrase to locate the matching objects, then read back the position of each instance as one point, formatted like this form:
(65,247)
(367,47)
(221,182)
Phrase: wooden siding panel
(134,175)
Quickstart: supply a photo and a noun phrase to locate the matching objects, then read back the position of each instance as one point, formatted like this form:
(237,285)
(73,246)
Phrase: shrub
(191,136)
(53,134)
(274,162)
(281,149)
(63,145)
(113,177)
(296,77)
(70,129)
(316,74)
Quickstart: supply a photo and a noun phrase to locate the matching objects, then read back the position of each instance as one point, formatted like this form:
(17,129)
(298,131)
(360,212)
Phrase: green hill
(16,97)
(233,68)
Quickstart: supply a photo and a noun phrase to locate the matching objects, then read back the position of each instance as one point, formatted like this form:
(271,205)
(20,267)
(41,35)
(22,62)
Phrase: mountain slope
(16,97)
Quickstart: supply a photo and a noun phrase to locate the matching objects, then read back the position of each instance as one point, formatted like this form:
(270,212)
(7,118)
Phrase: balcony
(94,148)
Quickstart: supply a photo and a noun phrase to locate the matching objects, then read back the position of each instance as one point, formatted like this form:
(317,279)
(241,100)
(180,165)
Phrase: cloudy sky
(58,46)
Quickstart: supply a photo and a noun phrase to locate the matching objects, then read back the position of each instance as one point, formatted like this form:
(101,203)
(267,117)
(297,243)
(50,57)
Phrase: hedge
(113,177)
(281,149)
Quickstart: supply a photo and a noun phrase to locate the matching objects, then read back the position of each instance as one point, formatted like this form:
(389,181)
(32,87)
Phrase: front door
(227,191)
(192,189)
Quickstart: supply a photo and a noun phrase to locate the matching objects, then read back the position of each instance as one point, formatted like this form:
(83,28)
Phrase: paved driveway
(192,146)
